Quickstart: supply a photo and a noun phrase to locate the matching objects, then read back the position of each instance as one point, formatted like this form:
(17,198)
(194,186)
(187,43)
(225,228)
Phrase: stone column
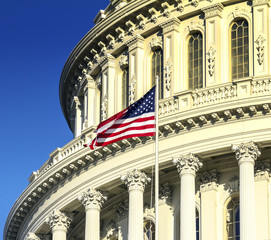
(171,61)
(92,200)
(208,197)
(187,166)
(136,64)
(135,182)
(262,199)
(59,222)
(213,44)
(246,154)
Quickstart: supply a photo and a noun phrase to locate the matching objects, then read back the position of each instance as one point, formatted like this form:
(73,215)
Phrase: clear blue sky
(36,38)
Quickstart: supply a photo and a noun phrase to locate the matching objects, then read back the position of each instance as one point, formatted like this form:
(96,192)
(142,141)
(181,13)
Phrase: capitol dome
(213,60)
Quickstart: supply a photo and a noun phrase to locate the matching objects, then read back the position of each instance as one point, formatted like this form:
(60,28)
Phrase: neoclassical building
(214,63)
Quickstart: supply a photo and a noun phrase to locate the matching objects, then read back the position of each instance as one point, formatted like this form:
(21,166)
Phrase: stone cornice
(135,42)
(70,165)
(170,25)
(213,10)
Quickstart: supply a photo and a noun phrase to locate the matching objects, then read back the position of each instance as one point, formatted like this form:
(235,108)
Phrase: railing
(185,100)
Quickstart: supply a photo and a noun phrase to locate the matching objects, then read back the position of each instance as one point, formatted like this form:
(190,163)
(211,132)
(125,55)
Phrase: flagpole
(156,157)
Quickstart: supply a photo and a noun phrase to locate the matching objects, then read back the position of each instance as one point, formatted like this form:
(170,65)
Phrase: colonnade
(136,181)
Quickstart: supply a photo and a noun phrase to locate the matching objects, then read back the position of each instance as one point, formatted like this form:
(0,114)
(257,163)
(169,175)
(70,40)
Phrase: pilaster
(171,39)
(135,182)
(78,117)
(208,197)
(136,68)
(262,199)
(246,154)
(261,44)
(92,200)
(59,222)
(108,86)
(213,43)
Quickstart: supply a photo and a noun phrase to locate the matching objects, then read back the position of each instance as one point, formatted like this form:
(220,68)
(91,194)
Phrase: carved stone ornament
(195,3)
(180,6)
(167,75)
(213,10)
(132,91)
(193,25)
(149,213)
(32,236)
(246,152)
(111,231)
(135,180)
(237,12)
(188,163)
(123,63)
(262,170)
(59,219)
(166,192)
(260,48)
(156,43)
(211,61)
(234,184)
(92,199)
(208,180)
(260,2)
(104,107)
(122,210)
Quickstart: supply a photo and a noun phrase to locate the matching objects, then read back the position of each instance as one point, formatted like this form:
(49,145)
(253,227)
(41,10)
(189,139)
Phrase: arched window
(195,61)
(149,230)
(157,69)
(125,88)
(239,49)
(233,219)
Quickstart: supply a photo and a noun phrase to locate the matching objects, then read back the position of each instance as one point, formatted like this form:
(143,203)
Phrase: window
(125,88)
(195,61)
(197,224)
(239,49)
(233,219)
(149,230)
(157,70)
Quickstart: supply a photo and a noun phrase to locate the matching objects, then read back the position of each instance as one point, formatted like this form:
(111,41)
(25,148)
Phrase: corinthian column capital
(92,199)
(246,152)
(32,236)
(59,220)
(135,180)
(188,163)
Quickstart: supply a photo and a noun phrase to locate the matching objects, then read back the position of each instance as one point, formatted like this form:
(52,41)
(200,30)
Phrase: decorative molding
(59,219)
(156,42)
(260,2)
(111,231)
(195,3)
(132,90)
(180,6)
(92,199)
(211,61)
(167,74)
(122,210)
(208,180)
(142,21)
(213,10)
(166,193)
(136,42)
(246,151)
(111,41)
(104,107)
(234,184)
(121,34)
(170,25)
(131,27)
(135,180)
(194,25)
(166,11)
(262,170)
(149,213)
(188,163)
(154,15)
(32,236)
(123,63)
(237,12)
(260,48)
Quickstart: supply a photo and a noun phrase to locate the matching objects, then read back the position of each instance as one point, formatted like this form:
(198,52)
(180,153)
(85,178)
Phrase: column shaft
(187,213)
(135,228)
(92,228)
(247,202)
(59,234)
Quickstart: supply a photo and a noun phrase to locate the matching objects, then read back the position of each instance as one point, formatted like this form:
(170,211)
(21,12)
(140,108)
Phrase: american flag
(137,120)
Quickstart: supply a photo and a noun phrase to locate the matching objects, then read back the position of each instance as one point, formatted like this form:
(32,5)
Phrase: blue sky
(36,38)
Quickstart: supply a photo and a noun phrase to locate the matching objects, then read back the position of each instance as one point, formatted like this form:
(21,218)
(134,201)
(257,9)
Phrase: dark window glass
(157,70)
(125,88)
(239,49)
(195,68)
